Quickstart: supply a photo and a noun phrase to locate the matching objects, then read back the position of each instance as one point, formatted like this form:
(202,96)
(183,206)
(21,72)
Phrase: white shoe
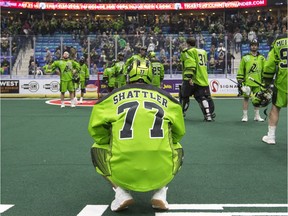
(158,200)
(81,100)
(62,105)
(258,118)
(244,118)
(269,140)
(75,100)
(73,104)
(122,200)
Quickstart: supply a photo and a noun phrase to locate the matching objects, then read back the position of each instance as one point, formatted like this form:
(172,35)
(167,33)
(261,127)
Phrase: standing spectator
(4,45)
(102,59)
(220,53)
(152,45)
(68,71)
(238,41)
(214,40)
(276,64)
(157,70)
(136,139)
(94,69)
(251,35)
(195,80)
(48,56)
(230,58)
(57,54)
(251,65)
(127,50)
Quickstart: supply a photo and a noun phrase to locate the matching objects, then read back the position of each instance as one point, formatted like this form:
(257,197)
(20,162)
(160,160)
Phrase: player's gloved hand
(86,81)
(246,90)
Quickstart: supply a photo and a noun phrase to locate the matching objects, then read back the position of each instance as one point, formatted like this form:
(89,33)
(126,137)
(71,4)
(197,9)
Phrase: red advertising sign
(133,6)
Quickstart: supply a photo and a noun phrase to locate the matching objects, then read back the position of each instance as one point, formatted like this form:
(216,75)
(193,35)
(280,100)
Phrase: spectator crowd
(163,34)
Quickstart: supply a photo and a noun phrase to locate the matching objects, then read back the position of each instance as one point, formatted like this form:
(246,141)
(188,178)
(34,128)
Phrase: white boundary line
(5,207)
(221,206)
(220,214)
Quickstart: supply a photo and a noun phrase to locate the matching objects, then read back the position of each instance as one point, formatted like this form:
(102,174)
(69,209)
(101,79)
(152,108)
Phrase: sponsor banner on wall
(223,87)
(39,86)
(9,86)
(218,87)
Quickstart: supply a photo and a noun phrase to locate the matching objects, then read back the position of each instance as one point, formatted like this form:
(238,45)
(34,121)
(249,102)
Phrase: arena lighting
(133,6)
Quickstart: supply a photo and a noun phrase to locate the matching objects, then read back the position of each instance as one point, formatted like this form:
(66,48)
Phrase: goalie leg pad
(207,107)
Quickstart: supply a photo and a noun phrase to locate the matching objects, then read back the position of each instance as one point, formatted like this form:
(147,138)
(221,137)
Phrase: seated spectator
(5,66)
(32,68)
(212,65)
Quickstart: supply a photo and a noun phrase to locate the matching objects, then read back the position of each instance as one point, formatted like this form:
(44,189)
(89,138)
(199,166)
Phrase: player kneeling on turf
(136,130)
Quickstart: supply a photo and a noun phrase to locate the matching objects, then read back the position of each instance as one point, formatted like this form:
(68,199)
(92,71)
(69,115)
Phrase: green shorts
(67,86)
(279,98)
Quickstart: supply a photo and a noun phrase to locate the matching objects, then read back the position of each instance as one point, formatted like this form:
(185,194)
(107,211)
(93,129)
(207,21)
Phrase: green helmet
(152,55)
(140,71)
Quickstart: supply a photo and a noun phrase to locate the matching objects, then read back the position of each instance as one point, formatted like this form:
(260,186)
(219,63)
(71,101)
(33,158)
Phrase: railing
(100,49)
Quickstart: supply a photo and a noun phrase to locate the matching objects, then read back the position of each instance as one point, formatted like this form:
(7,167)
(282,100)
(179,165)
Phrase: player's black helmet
(254,41)
(262,98)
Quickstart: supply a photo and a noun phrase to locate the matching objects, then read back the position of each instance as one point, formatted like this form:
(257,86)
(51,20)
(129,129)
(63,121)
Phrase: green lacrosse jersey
(188,64)
(158,72)
(66,68)
(251,66)
(200,74)
(277,63)
(137,129)
(110,74)
(84,72)
(119,73)
(132,59)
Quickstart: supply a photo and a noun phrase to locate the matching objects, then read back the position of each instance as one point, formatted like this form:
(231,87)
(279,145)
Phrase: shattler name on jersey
(137,93)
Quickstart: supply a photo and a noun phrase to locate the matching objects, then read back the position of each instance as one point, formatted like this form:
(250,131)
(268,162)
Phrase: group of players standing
(195,75)
(254,69)
(115,74)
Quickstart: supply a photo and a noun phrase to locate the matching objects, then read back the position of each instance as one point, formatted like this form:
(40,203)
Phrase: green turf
(46,168)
